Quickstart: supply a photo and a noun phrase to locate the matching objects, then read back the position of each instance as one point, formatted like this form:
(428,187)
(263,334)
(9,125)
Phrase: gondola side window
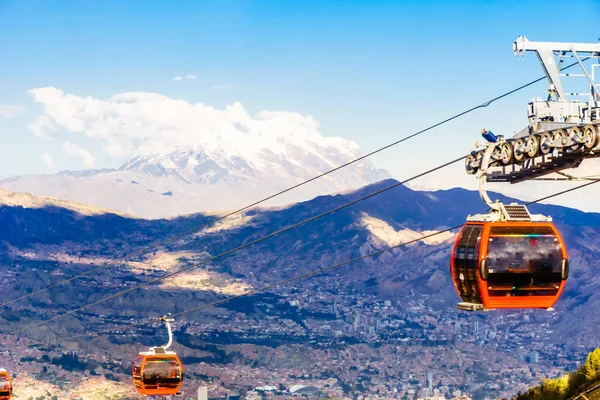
(527,260)
(517,250)
(162,371)
(5,387)
(137,366)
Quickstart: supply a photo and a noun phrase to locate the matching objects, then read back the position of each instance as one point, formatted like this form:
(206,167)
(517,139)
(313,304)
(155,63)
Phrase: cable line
(114,296)
(315,272)
(198,227)
(295,278)
(272,235)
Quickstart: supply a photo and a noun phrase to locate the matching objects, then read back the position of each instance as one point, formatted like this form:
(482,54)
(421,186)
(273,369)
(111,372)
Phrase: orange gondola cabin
(5,385)
(509,259)
(158,372)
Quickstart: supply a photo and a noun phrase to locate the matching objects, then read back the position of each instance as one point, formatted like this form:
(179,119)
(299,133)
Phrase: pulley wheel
(469,161)
(545,143)
(533,145)
(518,149)
(590,137)
(560,136)
(575,136)
(506,153)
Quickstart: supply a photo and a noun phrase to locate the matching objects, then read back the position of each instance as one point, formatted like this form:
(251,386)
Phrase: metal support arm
(167,322)
(483,171)
(545,52)
(592,83)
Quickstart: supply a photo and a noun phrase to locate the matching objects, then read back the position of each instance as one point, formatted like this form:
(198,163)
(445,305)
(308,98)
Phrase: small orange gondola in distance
(158,372)
(5,385)
(509,259)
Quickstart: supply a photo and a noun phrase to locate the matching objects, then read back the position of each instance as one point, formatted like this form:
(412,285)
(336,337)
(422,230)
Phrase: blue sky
(370,71)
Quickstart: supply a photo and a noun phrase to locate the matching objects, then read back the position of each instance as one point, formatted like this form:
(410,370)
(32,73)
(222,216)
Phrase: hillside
(28,200)
(586,381)
(294,333)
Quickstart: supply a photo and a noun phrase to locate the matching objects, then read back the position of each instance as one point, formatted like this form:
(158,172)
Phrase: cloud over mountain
(130,124)
(77,151)
(184,157)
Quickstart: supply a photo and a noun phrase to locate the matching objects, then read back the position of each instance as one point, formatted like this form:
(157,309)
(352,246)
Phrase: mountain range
(209,178)
(44,236)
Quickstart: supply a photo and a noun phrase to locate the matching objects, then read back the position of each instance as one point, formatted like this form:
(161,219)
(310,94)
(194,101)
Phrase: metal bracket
(594,88)
(167,322)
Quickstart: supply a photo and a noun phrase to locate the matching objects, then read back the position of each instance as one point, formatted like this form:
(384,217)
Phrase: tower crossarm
(546,54)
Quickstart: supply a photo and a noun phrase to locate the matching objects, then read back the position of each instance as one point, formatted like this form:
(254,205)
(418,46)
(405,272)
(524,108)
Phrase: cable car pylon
(158,372)
(562,129)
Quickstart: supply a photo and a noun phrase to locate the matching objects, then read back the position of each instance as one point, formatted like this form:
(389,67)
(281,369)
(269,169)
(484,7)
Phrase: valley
(376,326)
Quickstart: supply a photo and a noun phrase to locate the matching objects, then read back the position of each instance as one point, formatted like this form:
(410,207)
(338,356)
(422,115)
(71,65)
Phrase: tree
(568,385)
(592,365)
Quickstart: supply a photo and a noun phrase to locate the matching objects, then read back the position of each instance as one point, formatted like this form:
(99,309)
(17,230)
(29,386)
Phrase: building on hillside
(305,391)
(430,382)
(434,395)
(202,393)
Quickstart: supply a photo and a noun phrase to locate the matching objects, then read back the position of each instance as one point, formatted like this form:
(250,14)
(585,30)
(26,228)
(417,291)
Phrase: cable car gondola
(158,372)
(508,258)
(5,385)
(509,264)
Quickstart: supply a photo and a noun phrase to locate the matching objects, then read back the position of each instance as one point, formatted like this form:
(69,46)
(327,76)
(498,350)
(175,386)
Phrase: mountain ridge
(186,181)
(414,279)
(29,200)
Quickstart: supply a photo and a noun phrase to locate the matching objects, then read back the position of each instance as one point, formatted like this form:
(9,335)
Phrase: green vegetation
(568,385)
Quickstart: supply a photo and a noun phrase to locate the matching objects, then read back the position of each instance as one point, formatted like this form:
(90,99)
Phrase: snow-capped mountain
(187,157)
(202,167)
(187,181)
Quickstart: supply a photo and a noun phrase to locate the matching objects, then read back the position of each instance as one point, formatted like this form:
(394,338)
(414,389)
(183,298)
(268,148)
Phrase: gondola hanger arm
(167,320)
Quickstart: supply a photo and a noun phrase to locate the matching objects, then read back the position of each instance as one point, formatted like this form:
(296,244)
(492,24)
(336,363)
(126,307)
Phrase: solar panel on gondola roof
(517,212)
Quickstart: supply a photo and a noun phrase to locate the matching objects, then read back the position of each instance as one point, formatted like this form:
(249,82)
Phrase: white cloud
(73,149)
(180,78)
(130,124)
(42,127)
(220,87)
(10,110)
(47,159)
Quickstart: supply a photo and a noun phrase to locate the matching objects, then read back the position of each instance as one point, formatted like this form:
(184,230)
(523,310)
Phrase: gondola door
(465,263)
